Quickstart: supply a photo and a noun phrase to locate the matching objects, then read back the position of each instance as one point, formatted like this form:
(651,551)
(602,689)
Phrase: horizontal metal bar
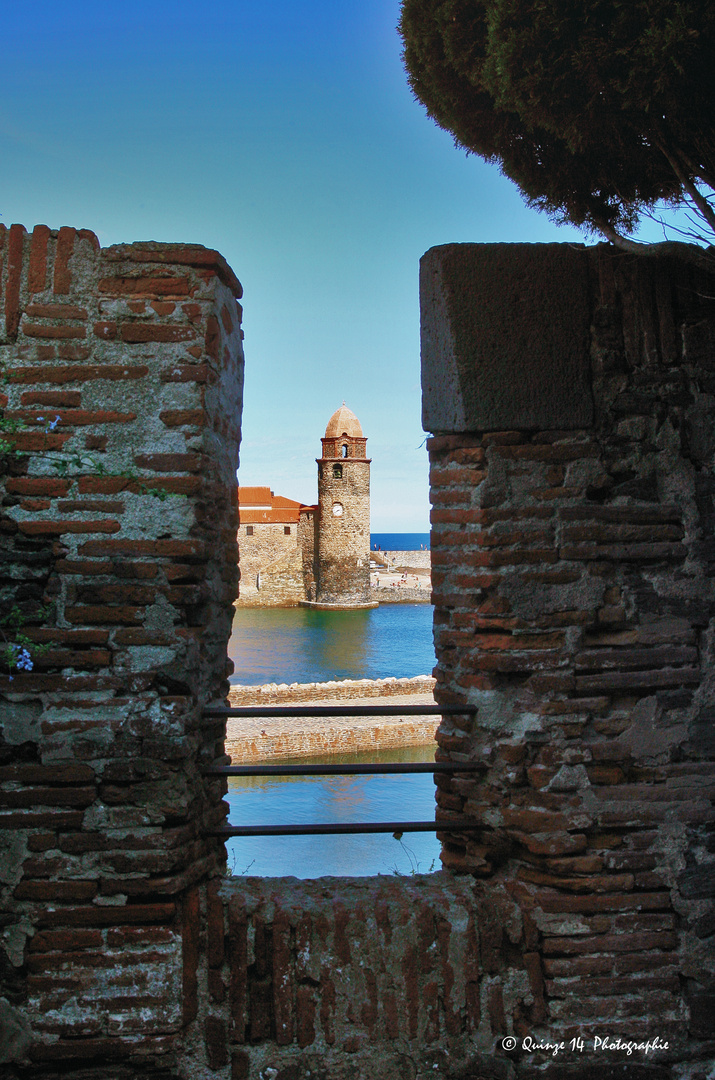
(344,770)
(342,710)
(453,825)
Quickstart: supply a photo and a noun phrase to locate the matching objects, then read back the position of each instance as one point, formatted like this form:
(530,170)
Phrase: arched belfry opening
(342,552)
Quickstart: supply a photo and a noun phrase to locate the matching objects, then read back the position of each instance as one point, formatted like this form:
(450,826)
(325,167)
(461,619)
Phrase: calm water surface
(256,800)
(285,645)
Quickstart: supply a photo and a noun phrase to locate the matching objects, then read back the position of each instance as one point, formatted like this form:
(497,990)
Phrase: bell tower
(343,540)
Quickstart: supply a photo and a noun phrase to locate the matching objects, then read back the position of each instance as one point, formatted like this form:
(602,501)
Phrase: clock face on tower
(337,509)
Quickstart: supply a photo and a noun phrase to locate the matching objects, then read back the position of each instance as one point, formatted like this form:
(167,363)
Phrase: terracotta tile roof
(259,504)
(254,496)
(279,501)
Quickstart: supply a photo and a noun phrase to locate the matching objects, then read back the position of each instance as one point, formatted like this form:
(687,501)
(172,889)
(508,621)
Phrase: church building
(318,555)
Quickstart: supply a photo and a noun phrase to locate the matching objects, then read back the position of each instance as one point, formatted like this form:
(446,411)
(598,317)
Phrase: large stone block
(505,337)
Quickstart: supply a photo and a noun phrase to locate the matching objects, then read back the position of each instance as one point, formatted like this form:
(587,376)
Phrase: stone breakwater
(401,594)
(252,739)
(343,689)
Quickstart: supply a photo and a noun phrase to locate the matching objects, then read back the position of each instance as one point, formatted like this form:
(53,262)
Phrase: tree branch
(704,258)
(704,207)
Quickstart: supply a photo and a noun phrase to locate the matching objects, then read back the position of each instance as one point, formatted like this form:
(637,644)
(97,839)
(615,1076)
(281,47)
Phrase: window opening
(290,817)
(338,472)
(272,646)
(345,450)
(286,530)
(249,530)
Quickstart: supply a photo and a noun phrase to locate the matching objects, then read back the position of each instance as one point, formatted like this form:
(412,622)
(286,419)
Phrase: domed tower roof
(343,422)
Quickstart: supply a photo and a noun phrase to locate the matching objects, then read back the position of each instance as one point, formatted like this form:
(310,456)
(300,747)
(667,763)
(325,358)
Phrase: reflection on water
(268,800)
(298,644)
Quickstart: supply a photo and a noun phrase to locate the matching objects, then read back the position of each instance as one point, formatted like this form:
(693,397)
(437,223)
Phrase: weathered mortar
(136,349)
(574,604)
(353,979)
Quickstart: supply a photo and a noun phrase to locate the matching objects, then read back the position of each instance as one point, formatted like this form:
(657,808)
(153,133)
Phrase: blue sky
(282,133)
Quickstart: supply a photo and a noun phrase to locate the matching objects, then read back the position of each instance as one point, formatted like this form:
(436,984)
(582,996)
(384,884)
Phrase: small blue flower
(19,658)
(24,661)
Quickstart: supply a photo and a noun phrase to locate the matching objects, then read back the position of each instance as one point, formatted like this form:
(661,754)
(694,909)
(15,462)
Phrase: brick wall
(573,604)
(137,350)
(345,978)
(572,584)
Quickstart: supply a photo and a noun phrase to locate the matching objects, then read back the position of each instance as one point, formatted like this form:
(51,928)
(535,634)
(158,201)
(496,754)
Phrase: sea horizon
(397,541)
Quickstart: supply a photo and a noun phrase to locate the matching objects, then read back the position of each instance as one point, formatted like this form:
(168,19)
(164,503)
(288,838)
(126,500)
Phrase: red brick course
(583,734)
(99,766)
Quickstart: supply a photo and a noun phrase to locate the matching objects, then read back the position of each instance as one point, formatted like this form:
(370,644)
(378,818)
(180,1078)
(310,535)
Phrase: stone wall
(572,559)
(338,690)
(261,739)
(280,584)
(137,350)
(258,738)
(573,594)
(417,560)
(402,594)
(267,545)
(278,569)
(307,529)
(343,542)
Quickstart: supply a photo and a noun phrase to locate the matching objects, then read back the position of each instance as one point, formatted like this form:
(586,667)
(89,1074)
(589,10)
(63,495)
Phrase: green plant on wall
(19,652)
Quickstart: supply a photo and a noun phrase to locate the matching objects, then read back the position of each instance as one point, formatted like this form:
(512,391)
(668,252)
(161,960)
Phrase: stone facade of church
(292,553)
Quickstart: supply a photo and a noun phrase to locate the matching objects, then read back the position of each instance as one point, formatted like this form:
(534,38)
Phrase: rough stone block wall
(133,355)
(307,544)
(267,545)
(255,738)
(343,566)
(406,560)
(282,584)
(574,605)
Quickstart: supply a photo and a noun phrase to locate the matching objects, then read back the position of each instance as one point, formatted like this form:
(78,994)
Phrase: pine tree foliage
(600,110)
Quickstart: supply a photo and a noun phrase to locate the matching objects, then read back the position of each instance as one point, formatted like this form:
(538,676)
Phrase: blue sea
(399,541)
(271,800)
(286,645)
